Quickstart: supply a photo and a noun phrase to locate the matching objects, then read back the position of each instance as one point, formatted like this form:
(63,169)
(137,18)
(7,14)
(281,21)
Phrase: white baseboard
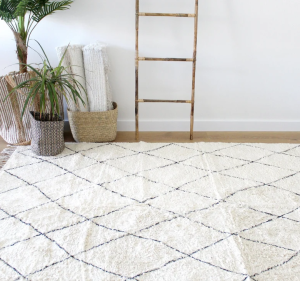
(212,125)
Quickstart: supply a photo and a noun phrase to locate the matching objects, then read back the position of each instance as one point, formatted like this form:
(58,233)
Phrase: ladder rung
(166,15)
(173,101)
(165,59)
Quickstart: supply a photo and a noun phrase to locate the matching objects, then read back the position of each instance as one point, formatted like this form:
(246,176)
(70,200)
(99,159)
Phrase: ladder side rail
(194,70)
(137,10)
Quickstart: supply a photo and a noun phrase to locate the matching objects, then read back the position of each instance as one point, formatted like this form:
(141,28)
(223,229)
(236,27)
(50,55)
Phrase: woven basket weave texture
(47,136)
(94,126)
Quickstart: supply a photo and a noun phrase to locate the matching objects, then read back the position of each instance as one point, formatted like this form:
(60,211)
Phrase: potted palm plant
(22,17)
(46,87)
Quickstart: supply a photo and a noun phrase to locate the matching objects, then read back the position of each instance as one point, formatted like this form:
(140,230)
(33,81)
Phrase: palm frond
(22,8)
(41,11)
(8,9)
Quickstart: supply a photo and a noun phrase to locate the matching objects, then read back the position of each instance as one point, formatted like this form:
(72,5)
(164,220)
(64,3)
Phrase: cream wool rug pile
(140,211)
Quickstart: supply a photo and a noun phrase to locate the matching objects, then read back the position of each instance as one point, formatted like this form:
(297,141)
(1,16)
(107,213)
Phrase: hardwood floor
(2,144)
(240,137)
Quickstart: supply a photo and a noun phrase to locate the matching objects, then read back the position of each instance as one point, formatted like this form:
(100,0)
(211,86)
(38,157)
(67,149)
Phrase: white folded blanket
(96,72)
(74,61)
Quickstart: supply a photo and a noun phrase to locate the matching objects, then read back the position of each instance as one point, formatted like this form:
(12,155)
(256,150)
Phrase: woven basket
(47,136)
(94,126)
(14,129)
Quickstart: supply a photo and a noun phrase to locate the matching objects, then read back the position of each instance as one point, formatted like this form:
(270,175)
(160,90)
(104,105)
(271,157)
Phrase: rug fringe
(6,154)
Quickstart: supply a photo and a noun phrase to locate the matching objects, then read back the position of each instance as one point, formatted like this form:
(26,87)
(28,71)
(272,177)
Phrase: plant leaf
(40,11)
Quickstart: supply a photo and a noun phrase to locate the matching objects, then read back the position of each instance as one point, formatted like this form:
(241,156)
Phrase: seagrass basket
(94,126)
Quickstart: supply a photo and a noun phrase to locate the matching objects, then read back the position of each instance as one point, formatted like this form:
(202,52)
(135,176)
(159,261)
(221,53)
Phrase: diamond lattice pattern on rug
(141,211)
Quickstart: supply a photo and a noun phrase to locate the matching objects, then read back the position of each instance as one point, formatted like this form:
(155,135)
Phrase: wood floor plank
(239,137)
(3,144)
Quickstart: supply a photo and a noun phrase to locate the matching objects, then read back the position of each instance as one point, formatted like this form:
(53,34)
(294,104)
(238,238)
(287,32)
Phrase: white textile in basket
(74,61)
(96,72)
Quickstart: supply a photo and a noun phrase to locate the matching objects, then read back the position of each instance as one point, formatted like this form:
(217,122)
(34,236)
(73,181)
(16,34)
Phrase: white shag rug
(141,211)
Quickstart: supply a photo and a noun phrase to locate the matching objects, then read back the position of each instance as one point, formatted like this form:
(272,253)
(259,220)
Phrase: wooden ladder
(138,58)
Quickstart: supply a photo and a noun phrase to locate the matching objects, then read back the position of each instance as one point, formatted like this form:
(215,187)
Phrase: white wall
(248,75)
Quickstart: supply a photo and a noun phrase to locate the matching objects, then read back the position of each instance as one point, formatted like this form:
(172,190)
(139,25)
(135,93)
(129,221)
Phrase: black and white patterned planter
(47,136)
